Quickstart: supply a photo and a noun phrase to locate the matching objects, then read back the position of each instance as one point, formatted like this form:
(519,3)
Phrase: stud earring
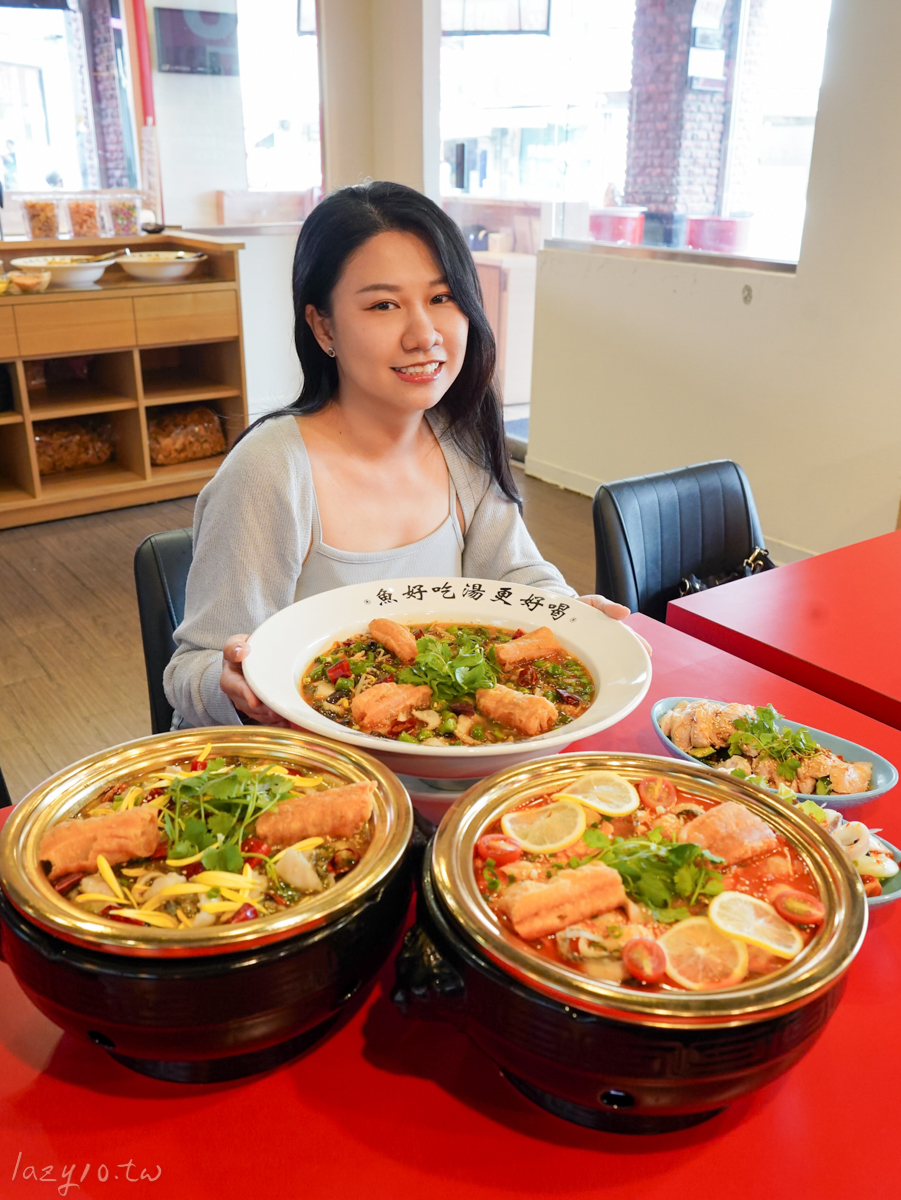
(331,352)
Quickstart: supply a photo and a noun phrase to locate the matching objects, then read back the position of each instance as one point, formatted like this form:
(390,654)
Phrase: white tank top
(441,553)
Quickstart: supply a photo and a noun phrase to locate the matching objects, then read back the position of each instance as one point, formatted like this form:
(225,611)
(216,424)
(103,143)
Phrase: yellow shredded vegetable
(185,862)
(157,919)
(106,872)
(221,906)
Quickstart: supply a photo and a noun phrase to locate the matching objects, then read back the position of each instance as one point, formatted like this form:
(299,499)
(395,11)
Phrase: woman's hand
(235,686)
(618,612)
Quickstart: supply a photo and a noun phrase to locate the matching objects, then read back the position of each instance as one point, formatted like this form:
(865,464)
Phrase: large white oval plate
(284,646)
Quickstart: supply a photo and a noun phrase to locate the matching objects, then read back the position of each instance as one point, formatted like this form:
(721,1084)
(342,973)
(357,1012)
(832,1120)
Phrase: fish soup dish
(211,841)
(651,888)
(444,684)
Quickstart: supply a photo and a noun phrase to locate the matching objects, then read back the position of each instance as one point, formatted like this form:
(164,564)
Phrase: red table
(831,623)
(396,1109)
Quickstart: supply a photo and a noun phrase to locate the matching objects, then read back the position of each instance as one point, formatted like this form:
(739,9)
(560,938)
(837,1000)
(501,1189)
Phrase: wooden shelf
(80,397)
(170,385)
(147,345)
(89,481)
(200,468)
(11,495)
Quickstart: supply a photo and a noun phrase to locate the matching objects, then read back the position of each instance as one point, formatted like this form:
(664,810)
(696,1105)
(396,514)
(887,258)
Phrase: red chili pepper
(402,727)
(246,912)
(256,846)
(162,849)
(387,679)
(528,677)
(279,900)
(198,764)
(110,912)
(153,793)
(193,869)
(519,633)
(418,634)
(66,882)
(341,670)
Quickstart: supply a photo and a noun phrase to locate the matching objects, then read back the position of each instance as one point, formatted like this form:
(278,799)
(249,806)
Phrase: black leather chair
(650,531)
(5,798)
(162,562)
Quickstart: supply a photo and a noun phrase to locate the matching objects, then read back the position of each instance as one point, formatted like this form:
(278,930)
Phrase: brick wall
(107,116)
(676,133)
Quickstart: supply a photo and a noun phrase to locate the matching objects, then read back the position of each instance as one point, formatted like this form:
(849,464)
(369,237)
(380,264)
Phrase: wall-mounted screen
(190,42)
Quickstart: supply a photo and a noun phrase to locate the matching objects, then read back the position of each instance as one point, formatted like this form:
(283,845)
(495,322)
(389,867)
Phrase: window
(629,121)
(66,119)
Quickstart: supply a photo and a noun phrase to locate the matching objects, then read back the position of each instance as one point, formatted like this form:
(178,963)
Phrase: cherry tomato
(246,912)
(501,849)
(656,792)
(871,885)
(800,908)
(341,670)
(644,960)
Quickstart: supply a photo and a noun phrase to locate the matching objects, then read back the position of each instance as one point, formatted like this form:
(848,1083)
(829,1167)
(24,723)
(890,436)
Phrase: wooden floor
(71,666)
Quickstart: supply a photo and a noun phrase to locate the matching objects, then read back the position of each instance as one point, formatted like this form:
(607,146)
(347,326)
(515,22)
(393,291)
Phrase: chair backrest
(5,798)
(162,562)
(652,530)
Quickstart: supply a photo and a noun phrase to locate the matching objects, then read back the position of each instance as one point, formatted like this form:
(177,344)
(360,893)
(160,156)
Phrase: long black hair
(337,227)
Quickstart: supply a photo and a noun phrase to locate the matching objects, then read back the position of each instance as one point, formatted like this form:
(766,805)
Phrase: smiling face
(399,337)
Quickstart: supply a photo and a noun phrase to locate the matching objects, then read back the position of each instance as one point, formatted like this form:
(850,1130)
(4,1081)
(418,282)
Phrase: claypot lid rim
(65,793)
(819,966)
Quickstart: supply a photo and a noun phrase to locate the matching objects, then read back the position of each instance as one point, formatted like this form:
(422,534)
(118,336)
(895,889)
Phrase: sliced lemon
(756,922)
(605,792)
(699,956)
(547,829)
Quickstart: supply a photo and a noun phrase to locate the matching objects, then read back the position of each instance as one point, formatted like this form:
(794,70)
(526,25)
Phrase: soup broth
(448,684)
(209,842)
(648,888)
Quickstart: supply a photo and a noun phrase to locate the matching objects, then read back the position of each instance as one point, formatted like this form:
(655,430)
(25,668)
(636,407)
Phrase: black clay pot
(224,1001)
(597,1055)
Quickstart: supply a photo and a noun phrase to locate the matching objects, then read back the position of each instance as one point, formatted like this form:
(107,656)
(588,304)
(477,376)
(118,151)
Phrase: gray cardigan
(252,530)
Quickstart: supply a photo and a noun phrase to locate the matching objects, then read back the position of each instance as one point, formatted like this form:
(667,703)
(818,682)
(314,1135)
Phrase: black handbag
(758,560)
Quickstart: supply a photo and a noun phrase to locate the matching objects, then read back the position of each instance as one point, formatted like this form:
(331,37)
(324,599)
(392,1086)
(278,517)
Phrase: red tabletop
(831,623)
(391,1108)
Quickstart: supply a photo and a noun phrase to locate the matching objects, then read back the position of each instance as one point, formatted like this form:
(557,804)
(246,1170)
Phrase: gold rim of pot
(815,969)
(66,793)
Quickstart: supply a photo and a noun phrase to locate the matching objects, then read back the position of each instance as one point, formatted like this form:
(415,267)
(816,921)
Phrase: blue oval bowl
(884,775)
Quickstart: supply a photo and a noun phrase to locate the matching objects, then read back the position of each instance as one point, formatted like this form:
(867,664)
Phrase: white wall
(201,131)
(378,62)
(645,365)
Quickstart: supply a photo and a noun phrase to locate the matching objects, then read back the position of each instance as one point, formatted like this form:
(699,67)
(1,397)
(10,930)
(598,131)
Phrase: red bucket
(723,235)
(619,226)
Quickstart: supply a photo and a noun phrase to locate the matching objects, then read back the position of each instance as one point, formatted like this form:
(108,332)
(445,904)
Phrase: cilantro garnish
(450,675)
(208,813)
(786,746)
(656,872)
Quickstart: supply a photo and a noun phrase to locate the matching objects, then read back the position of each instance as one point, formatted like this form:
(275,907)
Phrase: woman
(390,464)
